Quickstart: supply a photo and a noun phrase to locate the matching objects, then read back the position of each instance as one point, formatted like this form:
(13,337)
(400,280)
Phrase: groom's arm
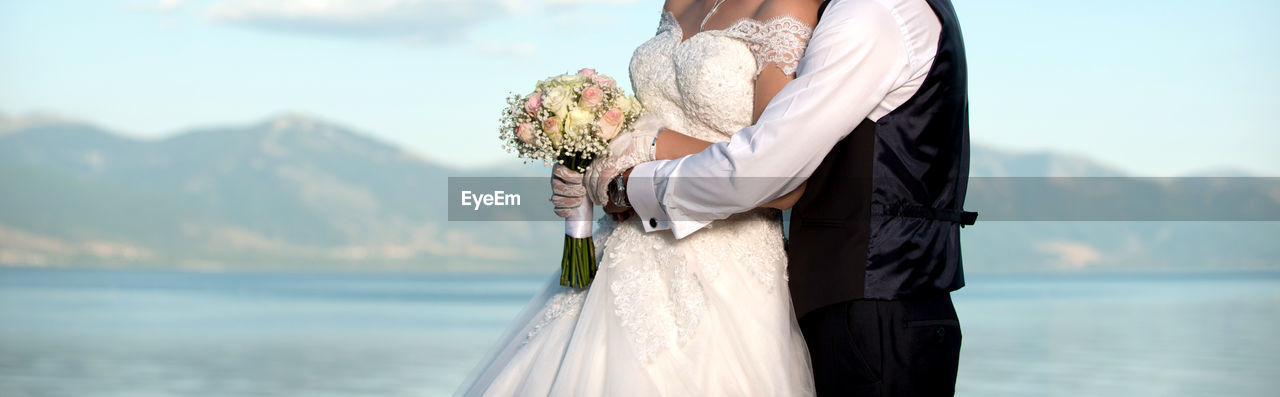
(856,56)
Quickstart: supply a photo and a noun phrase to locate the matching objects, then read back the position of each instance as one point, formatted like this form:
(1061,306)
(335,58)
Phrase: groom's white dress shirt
(864,59)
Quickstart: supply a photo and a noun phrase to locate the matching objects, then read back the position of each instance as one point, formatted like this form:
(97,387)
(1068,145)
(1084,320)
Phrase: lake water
(142,333)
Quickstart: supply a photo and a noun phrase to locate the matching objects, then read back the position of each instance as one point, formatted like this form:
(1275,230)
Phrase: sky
(1157,88)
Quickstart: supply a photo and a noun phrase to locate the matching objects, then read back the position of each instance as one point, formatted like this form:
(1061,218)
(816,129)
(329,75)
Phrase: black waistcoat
(880,217)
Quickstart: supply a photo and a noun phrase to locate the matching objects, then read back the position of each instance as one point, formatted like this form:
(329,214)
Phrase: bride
(709,314)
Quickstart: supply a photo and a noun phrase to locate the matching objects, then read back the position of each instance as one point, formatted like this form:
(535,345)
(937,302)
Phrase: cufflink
(653,222)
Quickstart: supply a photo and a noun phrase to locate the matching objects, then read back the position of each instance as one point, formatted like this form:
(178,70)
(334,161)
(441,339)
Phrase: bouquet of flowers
(570,119)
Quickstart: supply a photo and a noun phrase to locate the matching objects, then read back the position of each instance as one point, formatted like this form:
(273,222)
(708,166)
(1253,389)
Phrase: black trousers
(908,347)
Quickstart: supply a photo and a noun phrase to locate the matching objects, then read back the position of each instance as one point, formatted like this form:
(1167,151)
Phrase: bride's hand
(625,151)
(567,191)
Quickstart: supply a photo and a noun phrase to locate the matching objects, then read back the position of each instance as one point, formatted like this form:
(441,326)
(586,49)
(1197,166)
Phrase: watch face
(615,192)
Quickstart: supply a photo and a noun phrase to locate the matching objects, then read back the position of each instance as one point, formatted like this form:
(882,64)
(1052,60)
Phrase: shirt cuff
(642,193)
(682,229)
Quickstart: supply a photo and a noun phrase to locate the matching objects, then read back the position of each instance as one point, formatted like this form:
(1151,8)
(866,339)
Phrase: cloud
(10,123)
(405,20)
(564,3)
(428,20)
(156,5)
(168,4)
(518,49)
(1070,254)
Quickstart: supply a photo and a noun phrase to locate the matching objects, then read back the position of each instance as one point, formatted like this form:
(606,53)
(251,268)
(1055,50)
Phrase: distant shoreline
(1100,275)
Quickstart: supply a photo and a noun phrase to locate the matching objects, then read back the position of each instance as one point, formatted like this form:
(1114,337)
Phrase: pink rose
(609,131)
(534,103)
(592,96)
(612,117)
(524,132)
(604,81)
(551,124)
(609,124)
(589,72)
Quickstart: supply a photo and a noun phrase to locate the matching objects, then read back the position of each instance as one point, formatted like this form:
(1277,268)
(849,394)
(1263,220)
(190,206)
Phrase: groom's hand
(619,214)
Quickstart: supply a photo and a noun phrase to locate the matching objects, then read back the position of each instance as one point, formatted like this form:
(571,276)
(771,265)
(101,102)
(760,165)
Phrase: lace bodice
(704,86)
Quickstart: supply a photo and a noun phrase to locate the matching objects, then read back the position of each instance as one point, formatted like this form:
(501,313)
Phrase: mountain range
(298,192)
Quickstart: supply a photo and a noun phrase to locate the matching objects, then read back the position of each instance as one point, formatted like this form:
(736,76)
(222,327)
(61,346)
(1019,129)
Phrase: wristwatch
(618,192)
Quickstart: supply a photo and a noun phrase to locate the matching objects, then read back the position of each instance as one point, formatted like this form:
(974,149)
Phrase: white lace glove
(625,151)
(567,191)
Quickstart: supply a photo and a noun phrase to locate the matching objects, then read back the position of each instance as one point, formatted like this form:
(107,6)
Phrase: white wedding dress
(708,315)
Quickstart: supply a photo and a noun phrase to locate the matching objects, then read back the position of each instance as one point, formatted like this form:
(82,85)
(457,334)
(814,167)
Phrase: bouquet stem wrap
(578,265)
(578,225)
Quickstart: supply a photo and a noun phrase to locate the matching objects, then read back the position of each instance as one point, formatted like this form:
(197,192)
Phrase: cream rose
(579,118)
(557,101)
(626,105)
(569,79)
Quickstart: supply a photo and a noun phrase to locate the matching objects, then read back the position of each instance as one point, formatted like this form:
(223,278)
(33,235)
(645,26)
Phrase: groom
(877,123)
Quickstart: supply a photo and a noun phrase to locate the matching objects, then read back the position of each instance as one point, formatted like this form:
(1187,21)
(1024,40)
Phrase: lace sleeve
(668,22)
(780,41)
